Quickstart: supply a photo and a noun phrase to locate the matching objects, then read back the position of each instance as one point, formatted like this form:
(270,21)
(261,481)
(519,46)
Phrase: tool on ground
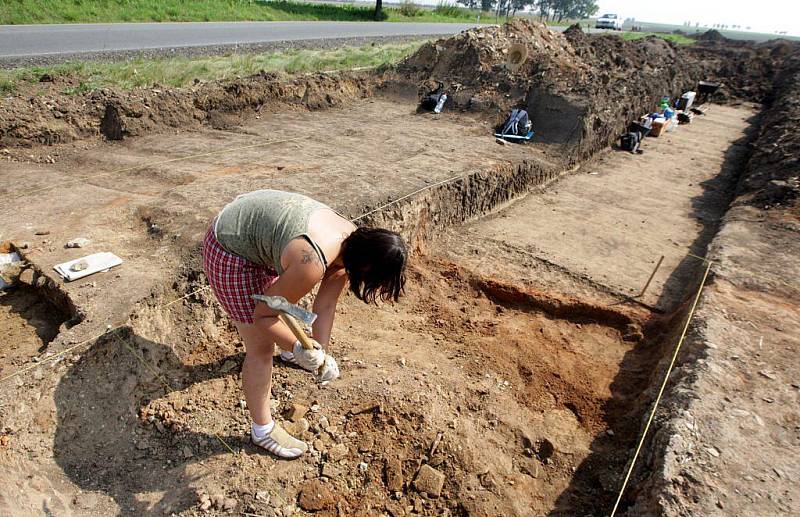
(289,313)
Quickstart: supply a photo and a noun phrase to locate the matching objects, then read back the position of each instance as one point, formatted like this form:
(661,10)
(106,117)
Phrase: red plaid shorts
(233,279)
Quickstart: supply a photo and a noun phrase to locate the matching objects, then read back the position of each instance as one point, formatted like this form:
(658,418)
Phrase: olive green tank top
(258,225)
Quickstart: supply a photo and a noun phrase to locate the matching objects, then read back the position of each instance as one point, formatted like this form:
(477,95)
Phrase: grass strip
(84,76)
(675,38)
(16,12)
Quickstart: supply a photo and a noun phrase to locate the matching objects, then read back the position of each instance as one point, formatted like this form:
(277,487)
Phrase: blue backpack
(518,123)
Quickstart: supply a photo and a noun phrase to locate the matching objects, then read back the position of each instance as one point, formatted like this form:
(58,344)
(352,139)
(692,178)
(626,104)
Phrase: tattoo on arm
(309,257)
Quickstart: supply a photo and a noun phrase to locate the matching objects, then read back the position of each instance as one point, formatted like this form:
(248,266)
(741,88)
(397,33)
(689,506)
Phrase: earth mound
(579,90)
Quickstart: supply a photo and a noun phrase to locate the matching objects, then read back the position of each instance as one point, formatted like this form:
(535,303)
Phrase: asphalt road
(19,41)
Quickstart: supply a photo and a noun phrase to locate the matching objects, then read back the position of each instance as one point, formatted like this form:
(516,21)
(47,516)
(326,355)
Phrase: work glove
(310,360)
(329,371)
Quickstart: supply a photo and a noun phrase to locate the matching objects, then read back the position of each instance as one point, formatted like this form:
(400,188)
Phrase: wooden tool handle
(298,332)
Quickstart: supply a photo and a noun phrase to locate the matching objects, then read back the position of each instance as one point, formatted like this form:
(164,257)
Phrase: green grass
(676,38)
(85,76)
(14,12)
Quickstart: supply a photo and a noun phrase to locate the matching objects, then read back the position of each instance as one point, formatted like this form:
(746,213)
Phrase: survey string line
(661,389)
(196,291)
(158,374)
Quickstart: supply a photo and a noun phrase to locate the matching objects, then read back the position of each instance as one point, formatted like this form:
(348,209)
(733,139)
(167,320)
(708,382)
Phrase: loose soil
(517,369)
(29,323)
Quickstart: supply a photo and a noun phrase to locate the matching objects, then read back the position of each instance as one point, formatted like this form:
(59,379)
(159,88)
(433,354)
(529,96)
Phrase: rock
(187,451)
(315,496)
(296,412)
(80,242)
(229,503)
(531,468)
(28,276)
(713,451)
(42,232)
(500,141)
(79,266)
(228,366)
(323,422)
(394,474)
(205,502)
(429,480)
(331,471)
(297,428)
(338,452)
(363,466)
(262,495)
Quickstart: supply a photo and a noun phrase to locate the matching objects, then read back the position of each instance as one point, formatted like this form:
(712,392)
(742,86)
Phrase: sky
(762,15)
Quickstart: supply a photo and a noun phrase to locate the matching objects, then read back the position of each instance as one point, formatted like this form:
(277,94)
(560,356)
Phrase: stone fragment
(429,480)
(79,266)
(394,474)
(28,276)
(297,428)
(296,412)
(329,470)
(80,242)
(338,452)
(315,496)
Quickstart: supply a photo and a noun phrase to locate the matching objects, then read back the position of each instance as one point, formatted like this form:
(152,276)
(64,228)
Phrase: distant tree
(560,9)
(470,4)
(520,5)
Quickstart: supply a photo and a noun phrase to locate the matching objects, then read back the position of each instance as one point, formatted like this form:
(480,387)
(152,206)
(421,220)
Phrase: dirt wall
(56,118)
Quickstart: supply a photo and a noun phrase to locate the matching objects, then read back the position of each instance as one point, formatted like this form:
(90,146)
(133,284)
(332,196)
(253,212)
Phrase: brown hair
(375,261)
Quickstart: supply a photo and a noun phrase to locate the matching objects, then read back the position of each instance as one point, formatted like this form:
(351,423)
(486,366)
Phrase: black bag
(630,141)
(518,123)
(430,100)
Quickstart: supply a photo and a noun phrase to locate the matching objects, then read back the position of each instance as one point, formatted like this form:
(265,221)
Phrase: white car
(609,21)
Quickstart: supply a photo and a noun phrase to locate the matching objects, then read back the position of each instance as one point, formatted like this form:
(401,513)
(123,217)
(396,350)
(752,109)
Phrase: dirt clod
(394,474)
(315,496)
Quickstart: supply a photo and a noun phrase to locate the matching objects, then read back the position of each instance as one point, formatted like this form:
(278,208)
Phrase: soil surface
(612,220)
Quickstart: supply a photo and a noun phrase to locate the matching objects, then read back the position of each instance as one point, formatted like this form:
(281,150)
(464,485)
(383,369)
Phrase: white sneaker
(280,443)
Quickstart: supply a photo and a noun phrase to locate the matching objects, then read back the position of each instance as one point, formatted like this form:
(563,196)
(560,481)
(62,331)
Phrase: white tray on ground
(97,262)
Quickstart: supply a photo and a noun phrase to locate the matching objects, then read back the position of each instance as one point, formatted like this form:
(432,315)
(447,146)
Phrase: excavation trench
(529,374)
(532,389)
